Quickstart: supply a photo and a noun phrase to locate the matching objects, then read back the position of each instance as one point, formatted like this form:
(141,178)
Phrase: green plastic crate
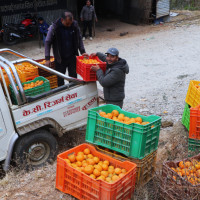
(45,87)
(193,147)
(186,117)
(134,140)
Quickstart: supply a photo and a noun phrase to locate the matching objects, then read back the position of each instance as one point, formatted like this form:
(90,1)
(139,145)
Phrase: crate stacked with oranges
(53,79)
(181,179)
(191,117)
(87,174)
(127,134)
(83,67)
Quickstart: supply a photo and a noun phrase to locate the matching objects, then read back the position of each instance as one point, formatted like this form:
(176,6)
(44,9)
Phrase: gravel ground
(162,60)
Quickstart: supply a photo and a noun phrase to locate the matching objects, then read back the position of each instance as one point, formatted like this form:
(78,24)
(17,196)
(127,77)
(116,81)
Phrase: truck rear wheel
(35,149)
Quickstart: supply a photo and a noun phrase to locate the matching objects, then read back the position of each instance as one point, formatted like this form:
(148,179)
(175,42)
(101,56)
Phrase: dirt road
(162,59)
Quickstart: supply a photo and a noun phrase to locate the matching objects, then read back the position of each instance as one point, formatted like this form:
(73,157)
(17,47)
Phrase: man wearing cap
(113,81)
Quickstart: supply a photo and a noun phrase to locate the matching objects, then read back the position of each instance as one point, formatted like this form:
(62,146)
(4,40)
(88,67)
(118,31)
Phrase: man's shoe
(83,38)
(91,38)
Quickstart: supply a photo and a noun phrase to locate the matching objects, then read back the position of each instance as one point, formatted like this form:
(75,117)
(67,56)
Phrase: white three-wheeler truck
(25,128)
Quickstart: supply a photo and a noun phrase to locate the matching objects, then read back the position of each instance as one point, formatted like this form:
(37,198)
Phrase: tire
(35,149)
(8,39)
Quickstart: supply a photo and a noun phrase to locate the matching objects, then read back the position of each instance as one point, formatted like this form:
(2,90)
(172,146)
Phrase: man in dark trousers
(65,36)
(113,81)
(87,15)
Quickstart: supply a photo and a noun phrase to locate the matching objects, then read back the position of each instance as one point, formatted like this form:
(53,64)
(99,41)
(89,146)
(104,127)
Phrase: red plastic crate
(194,132)
(83,187)
(84,70)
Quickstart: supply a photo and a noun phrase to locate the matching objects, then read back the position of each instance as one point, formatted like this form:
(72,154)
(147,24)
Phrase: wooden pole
(94,31)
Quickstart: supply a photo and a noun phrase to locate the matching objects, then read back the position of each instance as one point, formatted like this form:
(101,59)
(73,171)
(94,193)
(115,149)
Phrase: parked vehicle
(25,128)
(12,33)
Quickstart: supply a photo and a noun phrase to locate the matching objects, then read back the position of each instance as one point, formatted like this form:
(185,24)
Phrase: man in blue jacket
(43,27)
(65,36)
(113,81)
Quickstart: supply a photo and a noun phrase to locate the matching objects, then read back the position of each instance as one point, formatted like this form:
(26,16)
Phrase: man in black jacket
(65,36)
(113,81)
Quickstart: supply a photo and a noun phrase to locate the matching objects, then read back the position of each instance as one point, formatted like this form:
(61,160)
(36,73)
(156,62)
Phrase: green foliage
(185,4)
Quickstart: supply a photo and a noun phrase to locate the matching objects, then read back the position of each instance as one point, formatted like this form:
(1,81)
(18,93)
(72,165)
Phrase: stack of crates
(191,117)
(134,142)
(75,182)
(53,79)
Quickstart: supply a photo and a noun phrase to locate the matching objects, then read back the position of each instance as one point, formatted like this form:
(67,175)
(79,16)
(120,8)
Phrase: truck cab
(25,134)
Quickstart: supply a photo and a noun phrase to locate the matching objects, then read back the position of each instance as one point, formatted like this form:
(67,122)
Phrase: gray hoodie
(113,81)
(88,13)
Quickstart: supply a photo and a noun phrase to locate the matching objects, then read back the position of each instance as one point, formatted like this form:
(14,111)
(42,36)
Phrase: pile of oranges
(91,165)
(89,61)
(26,67)
(44,61)
(116,116)
(31,85)
(189,170)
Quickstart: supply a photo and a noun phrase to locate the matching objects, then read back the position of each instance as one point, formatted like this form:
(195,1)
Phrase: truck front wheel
(35,149)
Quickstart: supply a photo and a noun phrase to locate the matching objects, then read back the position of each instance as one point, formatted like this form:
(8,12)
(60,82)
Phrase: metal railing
(7,65)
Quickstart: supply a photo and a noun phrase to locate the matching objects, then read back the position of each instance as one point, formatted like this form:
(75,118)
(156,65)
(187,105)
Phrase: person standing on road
(113,81)
(43,27)
(65,36)
(87,15)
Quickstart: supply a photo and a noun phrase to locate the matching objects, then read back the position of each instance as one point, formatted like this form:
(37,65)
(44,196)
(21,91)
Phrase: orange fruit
(102,114)
(83,169)
(144,123)
(106,162)
(79,169)
(79,164)
(100,163)
(93,176)
(115,118)
(121,175)
(96,172)
(96,159)
(111,171)
(108,179)
(188,164)
(124,171)
(111,167)
(80,153)
(109,115)
(104,173)
(121,117)
(99,167)
(72,158)
(67,161)
(115,113)
(198,173)
(118,171)
(101,178)
(115,178)
(181,165)
(132,120)
(90,161)
(88,170)
(138,119)
(90,156)
(126,119)
(84,164)
(86,151)
(74,165)
(105,167)
(80,157)
(197,166)
(85,157)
